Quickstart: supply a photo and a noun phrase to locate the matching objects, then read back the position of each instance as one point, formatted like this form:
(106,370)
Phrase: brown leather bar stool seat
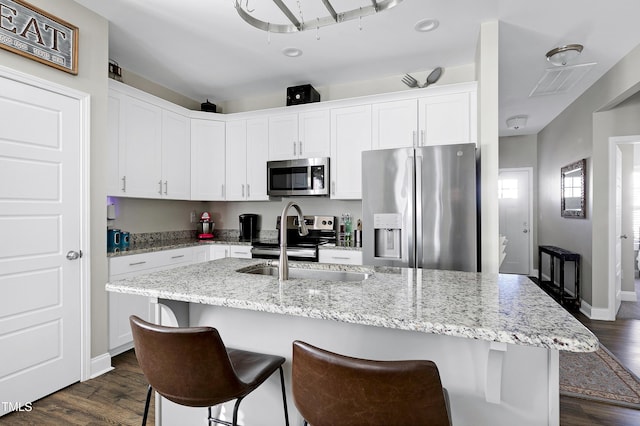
(331,389)
(191,366)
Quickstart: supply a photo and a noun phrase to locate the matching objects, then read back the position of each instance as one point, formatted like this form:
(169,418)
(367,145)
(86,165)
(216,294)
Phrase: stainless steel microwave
(305,176)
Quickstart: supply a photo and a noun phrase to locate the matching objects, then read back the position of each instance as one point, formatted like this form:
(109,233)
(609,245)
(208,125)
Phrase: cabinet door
(445,119)
(236,163)
(314,134)
(283,137)
(176,156)
(140,154)
(257,154)
(343,257)
(395,124)
(242,252)
(218,252)
(350,135)
(114,176)
(207,160)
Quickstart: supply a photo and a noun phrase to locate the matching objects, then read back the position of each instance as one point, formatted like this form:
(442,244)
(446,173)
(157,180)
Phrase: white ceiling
(203,49)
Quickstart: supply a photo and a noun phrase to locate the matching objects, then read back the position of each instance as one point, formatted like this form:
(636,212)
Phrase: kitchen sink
(308,274)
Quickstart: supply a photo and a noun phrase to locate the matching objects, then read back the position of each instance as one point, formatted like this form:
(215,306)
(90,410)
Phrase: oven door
(308,176)
(308,254)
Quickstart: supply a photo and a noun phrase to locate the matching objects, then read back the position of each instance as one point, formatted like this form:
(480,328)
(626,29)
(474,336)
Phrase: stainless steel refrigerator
(420,207)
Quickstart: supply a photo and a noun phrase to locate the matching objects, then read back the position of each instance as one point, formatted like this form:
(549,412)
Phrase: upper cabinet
(350,135)
(207,160)
(299,135)
(247,149)
(446,116)
(149,150)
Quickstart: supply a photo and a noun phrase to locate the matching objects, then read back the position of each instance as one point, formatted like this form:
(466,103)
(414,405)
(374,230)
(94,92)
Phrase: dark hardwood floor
(117,398)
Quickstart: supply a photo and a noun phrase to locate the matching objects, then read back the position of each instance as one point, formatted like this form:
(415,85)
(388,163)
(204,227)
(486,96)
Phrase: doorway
(515,209)
(44,278)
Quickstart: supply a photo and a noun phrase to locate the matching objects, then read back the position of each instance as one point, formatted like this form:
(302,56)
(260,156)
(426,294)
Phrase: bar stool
(332,389)
(191,366)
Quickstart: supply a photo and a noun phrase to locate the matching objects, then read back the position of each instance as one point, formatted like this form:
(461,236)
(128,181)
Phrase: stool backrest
(333,389)
(188,365)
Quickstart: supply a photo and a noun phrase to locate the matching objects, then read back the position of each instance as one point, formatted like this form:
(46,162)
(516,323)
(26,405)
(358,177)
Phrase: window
(508,188)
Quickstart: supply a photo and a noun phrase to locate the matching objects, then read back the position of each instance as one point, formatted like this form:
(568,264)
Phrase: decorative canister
(124,240)
(113,240)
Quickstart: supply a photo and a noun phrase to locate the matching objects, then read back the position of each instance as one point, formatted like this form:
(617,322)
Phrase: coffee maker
(248,226)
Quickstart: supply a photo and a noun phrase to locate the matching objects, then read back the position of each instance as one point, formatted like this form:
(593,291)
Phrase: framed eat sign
(35,34)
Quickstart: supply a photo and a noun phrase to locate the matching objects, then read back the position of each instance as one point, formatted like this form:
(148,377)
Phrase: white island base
(488,383)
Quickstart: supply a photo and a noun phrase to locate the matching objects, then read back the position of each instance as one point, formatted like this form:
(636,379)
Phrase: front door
(40,276)
(514,208)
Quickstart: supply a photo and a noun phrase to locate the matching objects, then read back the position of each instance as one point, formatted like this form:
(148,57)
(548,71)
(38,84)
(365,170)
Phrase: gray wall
(91,79)
(583,130)
(518,152)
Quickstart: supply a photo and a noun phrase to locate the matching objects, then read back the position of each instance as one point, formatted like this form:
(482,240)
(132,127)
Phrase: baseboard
(100,365)
(120,349)
(601,314)
(628,296)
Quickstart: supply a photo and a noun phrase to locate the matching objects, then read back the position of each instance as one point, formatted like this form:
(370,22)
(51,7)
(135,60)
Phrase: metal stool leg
(284,397)
(146,406)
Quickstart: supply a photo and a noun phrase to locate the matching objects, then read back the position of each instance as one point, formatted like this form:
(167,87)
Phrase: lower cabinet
(121,306)
(344,257)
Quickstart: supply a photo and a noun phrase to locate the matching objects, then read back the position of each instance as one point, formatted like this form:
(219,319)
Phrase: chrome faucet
(283,263)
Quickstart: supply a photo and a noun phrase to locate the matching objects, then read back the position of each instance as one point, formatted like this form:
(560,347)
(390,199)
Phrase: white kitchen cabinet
(395,124)
(350,135)
(176,156)
(207,160)
(247,150)
(447,119)
(218,251)
(240,251)
(148,154)
(299,135)
(343,257)
(121,306)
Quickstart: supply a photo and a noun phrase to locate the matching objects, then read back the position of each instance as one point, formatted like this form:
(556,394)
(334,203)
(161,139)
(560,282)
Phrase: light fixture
(297,22)
(292,52)
(517,122)
(426,25)
(561,56)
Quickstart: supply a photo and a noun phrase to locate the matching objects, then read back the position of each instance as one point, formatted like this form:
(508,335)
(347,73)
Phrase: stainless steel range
(322,231)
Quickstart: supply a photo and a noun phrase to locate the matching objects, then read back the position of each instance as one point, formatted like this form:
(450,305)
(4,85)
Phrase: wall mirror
(572,192)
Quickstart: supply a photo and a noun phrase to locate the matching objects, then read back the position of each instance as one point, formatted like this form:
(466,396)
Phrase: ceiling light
(517,122)
(561,56)
(426,25)
(297,22)
(292,52)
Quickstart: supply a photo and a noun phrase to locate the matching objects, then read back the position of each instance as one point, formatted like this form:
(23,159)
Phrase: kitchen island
(495,338)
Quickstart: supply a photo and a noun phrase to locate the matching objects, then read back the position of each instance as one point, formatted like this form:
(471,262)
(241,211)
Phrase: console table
(558,292)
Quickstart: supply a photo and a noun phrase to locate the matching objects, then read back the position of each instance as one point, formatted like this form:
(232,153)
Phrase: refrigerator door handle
(419,243)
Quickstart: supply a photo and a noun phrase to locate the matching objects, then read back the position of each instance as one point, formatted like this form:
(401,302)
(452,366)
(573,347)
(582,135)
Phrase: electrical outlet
(193,216)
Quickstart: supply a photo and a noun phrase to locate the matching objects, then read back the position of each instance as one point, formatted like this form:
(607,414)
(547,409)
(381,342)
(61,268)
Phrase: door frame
(84,100)
(614,141)
(529,171)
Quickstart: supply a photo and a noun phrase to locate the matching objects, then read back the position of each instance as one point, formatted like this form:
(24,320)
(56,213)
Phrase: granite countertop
(151,246)
(491,307)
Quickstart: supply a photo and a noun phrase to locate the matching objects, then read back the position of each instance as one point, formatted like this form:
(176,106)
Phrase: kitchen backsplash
(152,238)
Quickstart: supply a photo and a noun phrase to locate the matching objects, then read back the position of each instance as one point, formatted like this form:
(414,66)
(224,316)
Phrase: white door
(445,119)
(176,156)
(207,160)
(514,208)
(394,124)
(618,234)
(314,139)
(283,137)
(40,205)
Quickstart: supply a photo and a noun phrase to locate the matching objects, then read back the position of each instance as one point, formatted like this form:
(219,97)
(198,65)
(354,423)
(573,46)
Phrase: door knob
(525,231)
(623,236)
(73,255)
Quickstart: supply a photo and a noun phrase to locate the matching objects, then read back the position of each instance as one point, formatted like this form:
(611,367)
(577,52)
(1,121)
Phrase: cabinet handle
(166,187)
(242,190)
(178,256)
(248,191)
(415,139)
(138,263)
(300,150)
(340,257)
(222,190)
(160,183)
(422,138)
(333,187)
(294,148)
(124,184)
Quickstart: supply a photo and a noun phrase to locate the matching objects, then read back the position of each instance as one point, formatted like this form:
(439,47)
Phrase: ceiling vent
(560,80)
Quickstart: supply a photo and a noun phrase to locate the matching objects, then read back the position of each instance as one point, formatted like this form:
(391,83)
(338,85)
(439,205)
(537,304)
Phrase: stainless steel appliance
(420,208)
(305,176)
(322,231)
(248,226)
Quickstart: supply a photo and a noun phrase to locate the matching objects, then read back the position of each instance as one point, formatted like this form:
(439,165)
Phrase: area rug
(598,376)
